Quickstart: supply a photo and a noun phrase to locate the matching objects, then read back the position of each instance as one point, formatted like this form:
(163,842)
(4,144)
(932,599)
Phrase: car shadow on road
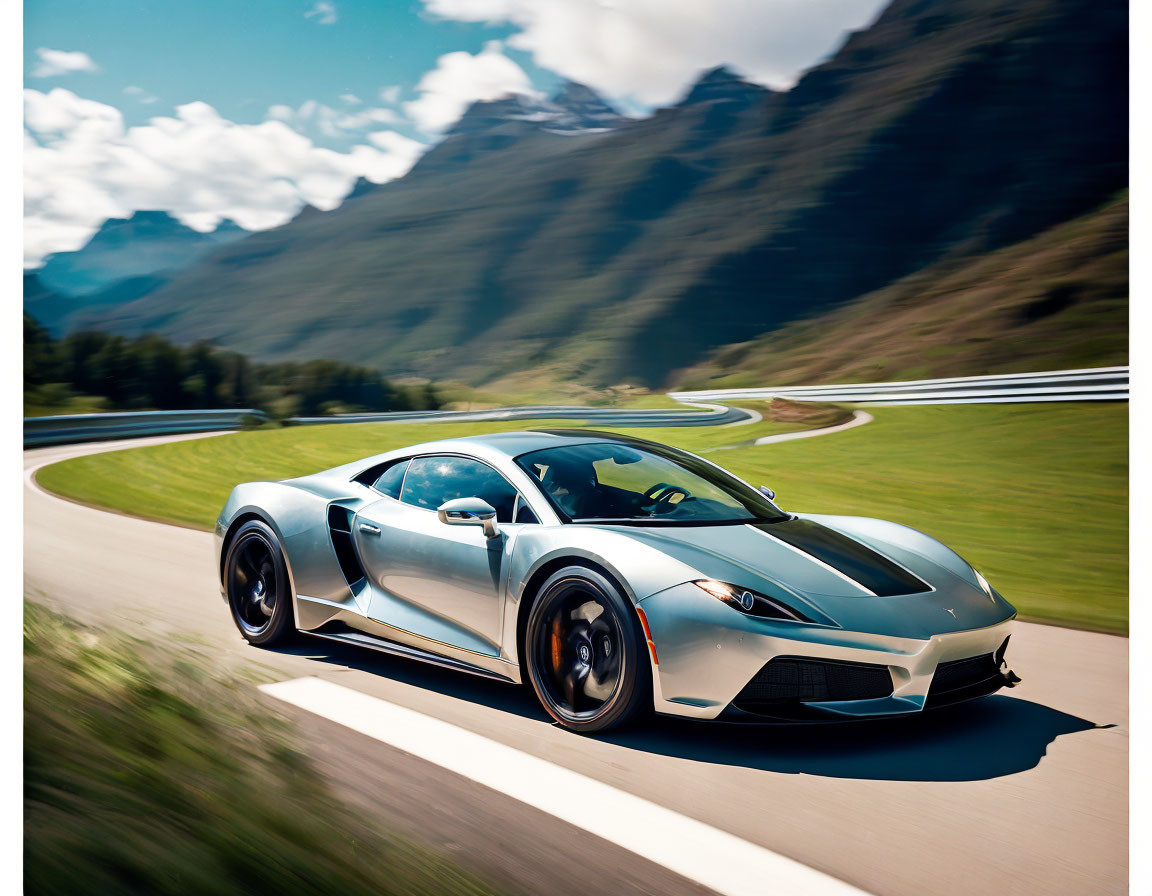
(499,695)
(987,738)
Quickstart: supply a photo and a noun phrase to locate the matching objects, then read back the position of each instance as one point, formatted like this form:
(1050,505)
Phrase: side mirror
(469,512)
(768,493)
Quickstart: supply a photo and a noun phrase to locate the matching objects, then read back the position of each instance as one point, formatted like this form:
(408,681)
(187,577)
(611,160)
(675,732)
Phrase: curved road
(1018,794)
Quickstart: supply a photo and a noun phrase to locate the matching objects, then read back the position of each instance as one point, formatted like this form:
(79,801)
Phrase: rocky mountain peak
(152,222)
(585,107)
(228,230)
(574,108)
(723,85)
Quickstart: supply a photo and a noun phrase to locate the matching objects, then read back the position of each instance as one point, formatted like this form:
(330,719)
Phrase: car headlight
(984,584)
(751,602)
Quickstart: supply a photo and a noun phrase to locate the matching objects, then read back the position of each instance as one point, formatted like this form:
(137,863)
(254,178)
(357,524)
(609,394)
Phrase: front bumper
(708,653)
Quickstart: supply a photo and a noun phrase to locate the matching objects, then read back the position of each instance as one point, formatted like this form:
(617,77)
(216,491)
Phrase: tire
(256,579)
(585,655)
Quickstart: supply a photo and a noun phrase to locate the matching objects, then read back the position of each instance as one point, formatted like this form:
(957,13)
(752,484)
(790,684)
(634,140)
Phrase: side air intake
(340,530)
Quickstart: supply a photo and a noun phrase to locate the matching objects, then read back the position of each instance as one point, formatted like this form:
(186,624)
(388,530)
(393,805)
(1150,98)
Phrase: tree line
(149,372)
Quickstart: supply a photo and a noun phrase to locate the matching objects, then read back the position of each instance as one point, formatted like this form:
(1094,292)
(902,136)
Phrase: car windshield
(624,483)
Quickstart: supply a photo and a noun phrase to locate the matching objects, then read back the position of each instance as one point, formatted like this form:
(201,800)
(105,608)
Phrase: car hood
(858,573)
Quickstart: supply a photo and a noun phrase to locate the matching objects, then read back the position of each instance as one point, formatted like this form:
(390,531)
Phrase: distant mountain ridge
(43,303)
(722,85)
(573,108)
(943,131)
(146,242)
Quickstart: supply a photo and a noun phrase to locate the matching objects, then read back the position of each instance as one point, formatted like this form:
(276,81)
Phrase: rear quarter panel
(298,516)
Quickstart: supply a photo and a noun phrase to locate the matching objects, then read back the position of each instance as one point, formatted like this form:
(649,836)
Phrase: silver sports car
(616,575)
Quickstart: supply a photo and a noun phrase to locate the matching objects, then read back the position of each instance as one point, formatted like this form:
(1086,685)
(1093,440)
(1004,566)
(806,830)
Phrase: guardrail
(1092,384)
(39,431)
(61,430)
(1096,384)
(710,415)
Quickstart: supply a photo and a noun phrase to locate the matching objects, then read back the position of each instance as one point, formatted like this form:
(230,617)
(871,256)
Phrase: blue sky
(250,109)
(243,56)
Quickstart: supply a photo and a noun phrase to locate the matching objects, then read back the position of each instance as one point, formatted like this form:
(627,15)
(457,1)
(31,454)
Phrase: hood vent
(847,556)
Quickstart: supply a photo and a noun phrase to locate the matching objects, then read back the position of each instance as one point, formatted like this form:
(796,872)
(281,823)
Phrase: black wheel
(256,577)
(585,655)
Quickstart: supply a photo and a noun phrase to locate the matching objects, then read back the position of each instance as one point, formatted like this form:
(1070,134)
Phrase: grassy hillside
(1058,300)
(943,130)
(1034,496)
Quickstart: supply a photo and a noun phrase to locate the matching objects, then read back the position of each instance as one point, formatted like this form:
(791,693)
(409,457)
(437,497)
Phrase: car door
(441,582)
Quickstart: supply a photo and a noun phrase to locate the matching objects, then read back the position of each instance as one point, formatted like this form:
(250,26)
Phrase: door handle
(369,530)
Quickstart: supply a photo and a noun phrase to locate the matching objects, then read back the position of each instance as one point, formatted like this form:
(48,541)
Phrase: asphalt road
(1021,793)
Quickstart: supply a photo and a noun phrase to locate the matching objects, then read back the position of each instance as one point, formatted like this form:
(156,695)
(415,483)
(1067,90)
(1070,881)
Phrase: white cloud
(460,79)
(323,12)
(141,94)
(334,123)
(357,121)
(390,95)
(81,166)
(350,99)
(400,151)
(652,49)
(54,63)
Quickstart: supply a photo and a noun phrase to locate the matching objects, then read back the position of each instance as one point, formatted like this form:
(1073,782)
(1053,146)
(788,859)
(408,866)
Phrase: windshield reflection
(618,482)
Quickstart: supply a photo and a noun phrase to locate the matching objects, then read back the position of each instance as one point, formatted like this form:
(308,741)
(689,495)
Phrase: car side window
(430,481)
(524,513)
(389,482)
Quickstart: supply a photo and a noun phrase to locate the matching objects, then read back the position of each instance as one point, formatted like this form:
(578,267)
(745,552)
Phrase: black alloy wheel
(586,659)
(256,579)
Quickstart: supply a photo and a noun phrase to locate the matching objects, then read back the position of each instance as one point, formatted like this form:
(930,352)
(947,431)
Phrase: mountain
(573,109)
(945,131)
(43,303)
(60,314)
(722,85)
(227,231)
(1058,300)
(362,187)
(147,242)
(310,211)
(578,107)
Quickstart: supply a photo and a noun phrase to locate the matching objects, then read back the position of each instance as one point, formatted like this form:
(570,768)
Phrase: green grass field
(188,482)
(1035,496)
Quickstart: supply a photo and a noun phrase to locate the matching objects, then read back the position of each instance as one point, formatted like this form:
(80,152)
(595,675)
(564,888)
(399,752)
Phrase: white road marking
(694,850)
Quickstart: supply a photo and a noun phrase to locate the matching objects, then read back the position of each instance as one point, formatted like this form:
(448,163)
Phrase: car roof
(520,442)
(494,447)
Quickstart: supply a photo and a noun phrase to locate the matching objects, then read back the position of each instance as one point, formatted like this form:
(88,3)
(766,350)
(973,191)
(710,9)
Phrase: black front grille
(964,679)
(790,679)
